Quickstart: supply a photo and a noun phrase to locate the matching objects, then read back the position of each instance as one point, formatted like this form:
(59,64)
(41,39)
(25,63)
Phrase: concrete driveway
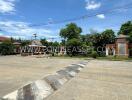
(16,71)
(100,80)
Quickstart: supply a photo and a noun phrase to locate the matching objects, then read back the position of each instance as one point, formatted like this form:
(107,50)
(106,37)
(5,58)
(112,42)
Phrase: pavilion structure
(35,48)
(121,47)
(17,49)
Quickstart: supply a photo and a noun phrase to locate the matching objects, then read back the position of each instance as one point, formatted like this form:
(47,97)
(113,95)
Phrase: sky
(23,18)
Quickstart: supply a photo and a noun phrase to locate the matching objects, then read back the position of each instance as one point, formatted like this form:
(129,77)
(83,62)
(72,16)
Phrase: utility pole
(35,36)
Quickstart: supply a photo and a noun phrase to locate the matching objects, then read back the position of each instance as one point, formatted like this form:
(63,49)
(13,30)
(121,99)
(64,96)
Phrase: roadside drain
(41,89)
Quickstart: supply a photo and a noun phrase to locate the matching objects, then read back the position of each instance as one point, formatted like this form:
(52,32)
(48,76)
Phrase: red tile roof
(2,38)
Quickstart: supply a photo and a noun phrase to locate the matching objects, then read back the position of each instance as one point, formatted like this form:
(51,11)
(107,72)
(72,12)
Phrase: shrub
(94,54)
(102,54)
(6,48)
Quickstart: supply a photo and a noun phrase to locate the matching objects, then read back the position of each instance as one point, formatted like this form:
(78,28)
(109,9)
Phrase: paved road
(16,71)
(100,80)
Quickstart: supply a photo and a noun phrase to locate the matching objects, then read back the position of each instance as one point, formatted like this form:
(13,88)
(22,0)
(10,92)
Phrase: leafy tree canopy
(56,43)
(99,39)
(70,31)
(6,48)
(126,29)
(73,42)
(44,42)
(108,36)
(25,42)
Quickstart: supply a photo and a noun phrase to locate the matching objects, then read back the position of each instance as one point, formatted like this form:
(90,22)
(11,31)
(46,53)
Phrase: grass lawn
(73,57)
(115,58)
(111,58)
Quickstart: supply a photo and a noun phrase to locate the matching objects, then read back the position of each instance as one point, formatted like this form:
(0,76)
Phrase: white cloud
(101,16)
(23,29)
(92,5)
(7,6)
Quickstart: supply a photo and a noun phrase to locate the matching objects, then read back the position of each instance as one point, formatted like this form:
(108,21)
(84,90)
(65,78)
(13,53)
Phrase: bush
(94,54)
(102,54)
(53,54)
(6,48)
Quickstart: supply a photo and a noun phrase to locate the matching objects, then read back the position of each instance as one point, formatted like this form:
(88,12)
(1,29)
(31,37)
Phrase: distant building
(121,47)
(2,39)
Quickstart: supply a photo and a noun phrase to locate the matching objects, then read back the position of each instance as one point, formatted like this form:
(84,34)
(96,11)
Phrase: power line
(127,6)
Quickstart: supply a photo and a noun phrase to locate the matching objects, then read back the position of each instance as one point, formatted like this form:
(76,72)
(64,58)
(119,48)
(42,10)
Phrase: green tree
(71,38)
(63,42)
(70,31)
(73,46)
(55,44)
(108,37)
(130,38)
(12,39)
(44,42)
(7,48)
(97,40)
(73,42)
(25,42)
(93,39)
(126,29)
(100,39)
(87,39)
